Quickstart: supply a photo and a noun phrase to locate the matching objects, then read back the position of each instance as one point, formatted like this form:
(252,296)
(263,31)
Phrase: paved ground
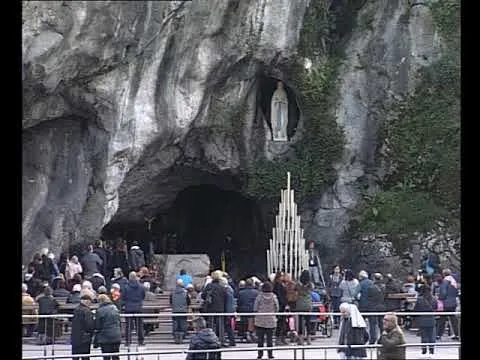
(412,353)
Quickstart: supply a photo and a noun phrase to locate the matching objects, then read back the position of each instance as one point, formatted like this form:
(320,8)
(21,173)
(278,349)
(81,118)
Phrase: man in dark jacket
(204,339)
(214,297)
(47,305)
(107,327)
(133,295)
(364,294)
(136,258)
(102,254)
(279,290)
(245,303)
(119,257)
(392,286)
(61,291)
(75,297)
(376,301)
(426,323)
(83,326)
(91,263)
(180,301)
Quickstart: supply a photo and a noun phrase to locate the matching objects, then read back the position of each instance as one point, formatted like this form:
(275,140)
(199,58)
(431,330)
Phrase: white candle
(268,262)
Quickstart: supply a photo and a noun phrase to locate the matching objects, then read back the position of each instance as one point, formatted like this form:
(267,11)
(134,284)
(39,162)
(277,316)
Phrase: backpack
(291,292)
(375,293)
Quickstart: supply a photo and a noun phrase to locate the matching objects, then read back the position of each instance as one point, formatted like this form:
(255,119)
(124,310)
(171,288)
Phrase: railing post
(53,337)
(294,354)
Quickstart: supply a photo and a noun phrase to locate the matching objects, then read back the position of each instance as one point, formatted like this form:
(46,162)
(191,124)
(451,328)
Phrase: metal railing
(199,314)
(296,350)
(172,314)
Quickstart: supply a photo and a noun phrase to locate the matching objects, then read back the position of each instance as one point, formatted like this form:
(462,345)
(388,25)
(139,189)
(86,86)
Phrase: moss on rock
(422,141)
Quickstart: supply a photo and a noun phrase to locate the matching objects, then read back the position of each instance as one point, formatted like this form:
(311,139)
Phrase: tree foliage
(422,142)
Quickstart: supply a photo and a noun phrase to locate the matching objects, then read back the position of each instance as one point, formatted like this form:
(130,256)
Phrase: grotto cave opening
(204,219)
(266,88)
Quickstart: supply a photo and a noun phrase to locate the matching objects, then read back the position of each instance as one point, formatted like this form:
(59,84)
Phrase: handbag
(291,323)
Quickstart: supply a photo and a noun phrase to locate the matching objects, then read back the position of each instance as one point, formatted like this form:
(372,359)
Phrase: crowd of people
(345,293)
(97,276)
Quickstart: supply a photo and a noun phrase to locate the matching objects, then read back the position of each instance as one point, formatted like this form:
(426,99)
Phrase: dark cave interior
(204,219)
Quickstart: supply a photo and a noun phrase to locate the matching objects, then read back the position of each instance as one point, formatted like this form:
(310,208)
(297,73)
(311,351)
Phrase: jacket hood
(134,283)
(267,295)
(207,336)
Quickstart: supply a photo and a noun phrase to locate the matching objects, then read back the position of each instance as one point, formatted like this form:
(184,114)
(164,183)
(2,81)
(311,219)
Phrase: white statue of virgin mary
(279,113)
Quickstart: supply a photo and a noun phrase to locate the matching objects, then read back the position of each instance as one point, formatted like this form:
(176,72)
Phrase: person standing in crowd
(41,266)
(426,323)
(61,291)
(91,263)
(136,257)
(313,263)
(391,339)
(97,280)
(133,296)
(119,258)
(335,292)
(102,254)
(376,301)
(116,296)
(83,327)
(180,302)
(47,305)
(229,308)
(27,300)
(203,339)
(448,293)
(245,303)
(149,296)
(279,291)
(348,286)
(88,289)
(107,328)
(54,268)
(242,322)
(119,278)
(363,294)
(187,279)
(353,331)
(392,287)
(214,297)
(304,304)
(266,302)
(75,297)
(62,264)
(145,276)
(72,268)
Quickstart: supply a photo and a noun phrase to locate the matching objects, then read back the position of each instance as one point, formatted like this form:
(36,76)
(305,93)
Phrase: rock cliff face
(391,41)
(128,103)
(125,98)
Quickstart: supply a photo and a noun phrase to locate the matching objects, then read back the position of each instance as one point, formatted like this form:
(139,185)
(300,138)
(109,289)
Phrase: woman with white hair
(353,331)
(87,288)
